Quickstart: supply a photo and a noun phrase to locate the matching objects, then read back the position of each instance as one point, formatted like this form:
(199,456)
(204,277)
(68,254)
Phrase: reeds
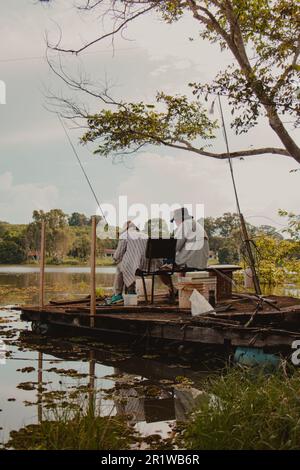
(252,411)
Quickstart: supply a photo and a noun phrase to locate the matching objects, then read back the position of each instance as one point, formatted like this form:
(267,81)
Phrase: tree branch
(100,38)
(223,156)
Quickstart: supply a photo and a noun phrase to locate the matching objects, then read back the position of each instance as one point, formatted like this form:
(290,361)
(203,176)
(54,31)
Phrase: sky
(37,167)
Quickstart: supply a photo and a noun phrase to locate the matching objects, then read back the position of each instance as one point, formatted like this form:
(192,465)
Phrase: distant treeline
(68,241)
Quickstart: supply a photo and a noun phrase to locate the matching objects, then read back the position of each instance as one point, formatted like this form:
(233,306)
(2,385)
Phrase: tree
(55,218)
(228,254)
(11,252)
(3,228)
(81,247)
(225,238)
(278,259)
(263,38)
(78,220)
(269,231)
(57,233)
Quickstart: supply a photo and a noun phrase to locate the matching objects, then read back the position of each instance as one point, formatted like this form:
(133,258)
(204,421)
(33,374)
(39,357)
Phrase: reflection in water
(153,390)
(40,387)
(107,379)
(151,406)
(22,287)
(24,269)
(92,384)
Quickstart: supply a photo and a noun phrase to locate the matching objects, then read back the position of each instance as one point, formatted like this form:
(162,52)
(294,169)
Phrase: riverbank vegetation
(67,240)
(278,257)
(240,409)
(74,430)
(68,243)
(250,411)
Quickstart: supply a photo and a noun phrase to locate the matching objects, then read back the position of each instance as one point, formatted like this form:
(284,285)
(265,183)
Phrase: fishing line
(249,244)
(81,166)
(229,158)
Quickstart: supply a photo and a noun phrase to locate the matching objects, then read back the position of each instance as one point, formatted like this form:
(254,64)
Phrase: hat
(181,213)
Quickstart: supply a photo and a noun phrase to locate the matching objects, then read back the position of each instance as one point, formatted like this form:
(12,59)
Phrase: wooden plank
(184,333)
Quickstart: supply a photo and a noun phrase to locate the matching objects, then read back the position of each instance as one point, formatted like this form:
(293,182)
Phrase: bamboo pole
(93,273)
(42,265)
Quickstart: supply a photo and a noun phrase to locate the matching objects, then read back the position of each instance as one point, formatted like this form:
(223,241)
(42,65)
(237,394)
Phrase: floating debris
(26,370)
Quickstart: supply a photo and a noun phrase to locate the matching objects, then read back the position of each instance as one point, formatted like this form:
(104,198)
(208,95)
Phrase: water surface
(155,388)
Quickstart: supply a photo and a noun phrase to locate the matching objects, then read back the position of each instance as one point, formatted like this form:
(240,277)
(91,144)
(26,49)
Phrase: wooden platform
(236,327)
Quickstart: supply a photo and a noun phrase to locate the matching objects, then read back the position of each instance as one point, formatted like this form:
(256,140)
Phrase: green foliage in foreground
(253,411)
(82,432)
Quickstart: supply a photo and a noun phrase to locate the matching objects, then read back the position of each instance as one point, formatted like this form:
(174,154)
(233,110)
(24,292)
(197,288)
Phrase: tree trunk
(284,136)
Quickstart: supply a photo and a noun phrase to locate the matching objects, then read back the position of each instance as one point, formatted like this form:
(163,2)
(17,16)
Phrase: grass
(253,411)
(73,430)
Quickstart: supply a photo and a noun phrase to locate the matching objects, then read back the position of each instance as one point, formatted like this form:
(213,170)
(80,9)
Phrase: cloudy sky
(37,167)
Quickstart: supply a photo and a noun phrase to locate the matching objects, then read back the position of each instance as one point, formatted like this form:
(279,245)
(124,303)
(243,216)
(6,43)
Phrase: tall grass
(69,428)
(253,411)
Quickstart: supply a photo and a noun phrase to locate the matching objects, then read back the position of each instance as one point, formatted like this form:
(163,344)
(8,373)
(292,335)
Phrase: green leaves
(263,36)
(174,119)
(293,224)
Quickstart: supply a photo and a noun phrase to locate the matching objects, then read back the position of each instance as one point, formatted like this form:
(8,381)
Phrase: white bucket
(130,299)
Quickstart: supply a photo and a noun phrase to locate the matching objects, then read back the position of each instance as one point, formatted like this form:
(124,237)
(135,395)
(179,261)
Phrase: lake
(156,388)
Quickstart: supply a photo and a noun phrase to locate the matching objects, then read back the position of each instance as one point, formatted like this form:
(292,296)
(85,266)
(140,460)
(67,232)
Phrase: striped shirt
(130,254)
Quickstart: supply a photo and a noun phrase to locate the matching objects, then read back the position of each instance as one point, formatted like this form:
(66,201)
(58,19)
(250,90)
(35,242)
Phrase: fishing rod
(81,166)
(245,235)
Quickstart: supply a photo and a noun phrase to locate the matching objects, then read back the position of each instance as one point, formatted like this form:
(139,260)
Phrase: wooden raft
(268,328)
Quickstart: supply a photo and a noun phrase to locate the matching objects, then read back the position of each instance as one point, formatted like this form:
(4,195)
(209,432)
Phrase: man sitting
(192,248)
(128,256)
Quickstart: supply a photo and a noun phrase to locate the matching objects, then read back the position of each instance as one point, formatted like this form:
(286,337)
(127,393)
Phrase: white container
(130,299)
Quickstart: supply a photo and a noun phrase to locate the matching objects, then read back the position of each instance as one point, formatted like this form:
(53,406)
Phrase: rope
(244,241)
(81,166)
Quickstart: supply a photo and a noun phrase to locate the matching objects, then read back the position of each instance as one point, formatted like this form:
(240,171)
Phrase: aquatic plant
(69,427)
(256,411)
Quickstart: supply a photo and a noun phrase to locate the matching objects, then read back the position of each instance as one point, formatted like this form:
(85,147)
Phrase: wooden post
(93,273)
(42,265)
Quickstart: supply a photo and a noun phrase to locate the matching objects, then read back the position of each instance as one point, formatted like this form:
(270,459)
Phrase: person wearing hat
(128,257)
(192,247)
